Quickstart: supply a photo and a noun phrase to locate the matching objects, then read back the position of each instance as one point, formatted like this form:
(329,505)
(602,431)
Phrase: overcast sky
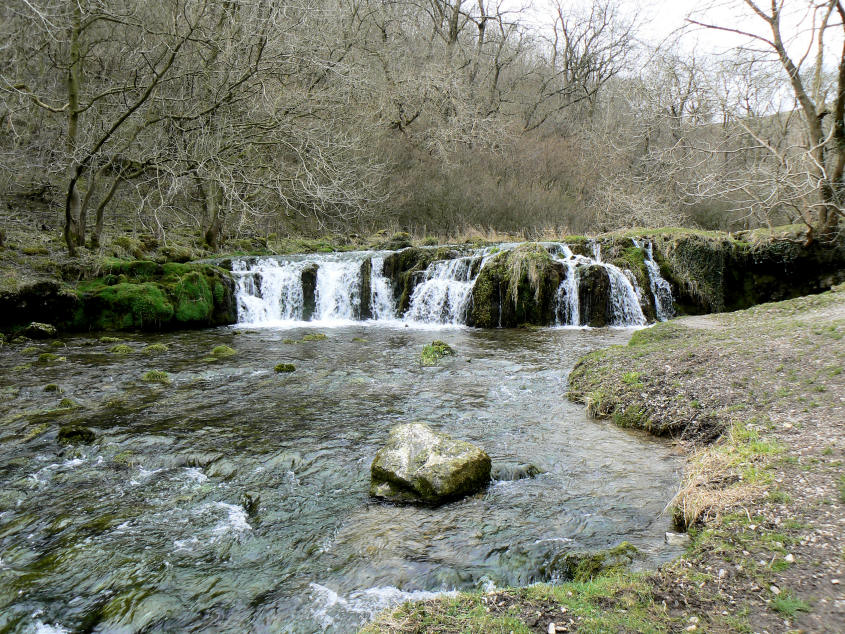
(661,19)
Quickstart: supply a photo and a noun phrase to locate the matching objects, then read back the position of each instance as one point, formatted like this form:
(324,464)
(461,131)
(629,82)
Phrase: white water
(270,291)
(660,289)
(381,292)
(444,295)
(338,293)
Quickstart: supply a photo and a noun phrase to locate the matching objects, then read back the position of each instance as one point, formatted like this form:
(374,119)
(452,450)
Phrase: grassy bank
(756,399)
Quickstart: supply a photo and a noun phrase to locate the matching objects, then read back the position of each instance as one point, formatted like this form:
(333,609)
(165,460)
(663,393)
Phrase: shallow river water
(235,499)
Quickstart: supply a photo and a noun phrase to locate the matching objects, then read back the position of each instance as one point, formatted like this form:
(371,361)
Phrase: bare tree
(807,174)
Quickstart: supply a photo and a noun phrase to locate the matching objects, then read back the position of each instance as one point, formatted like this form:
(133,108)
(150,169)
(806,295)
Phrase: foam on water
(328,604)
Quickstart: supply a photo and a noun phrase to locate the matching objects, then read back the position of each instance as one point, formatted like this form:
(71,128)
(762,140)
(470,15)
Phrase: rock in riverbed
(421,465)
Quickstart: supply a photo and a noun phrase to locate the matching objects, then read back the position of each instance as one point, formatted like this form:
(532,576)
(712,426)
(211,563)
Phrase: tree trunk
(74,228)
(213,213)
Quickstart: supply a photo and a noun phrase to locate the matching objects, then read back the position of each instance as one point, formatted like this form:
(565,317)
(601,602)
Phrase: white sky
(661,19)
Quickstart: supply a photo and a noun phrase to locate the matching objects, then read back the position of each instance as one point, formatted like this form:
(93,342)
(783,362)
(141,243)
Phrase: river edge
(755,398)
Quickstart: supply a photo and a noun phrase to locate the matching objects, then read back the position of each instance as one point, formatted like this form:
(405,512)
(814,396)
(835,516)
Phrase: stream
(235,499)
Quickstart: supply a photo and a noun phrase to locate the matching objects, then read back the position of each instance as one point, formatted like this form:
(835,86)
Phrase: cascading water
(567,308)
(338,291)
(443,296)
(381,292)
(660,289)
(331,289)
(625,309)
(268,290)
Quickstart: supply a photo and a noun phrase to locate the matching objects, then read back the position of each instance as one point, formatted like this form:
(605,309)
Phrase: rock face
(594,295)
(421,465)
(516,287)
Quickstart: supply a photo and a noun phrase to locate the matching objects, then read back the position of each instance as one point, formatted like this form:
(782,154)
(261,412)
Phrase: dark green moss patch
(75,434)
(284,367)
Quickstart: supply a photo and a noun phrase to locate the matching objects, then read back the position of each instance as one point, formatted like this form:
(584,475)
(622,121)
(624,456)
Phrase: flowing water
(235,499)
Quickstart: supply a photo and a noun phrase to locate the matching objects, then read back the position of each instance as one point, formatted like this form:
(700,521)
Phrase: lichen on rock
(420,465)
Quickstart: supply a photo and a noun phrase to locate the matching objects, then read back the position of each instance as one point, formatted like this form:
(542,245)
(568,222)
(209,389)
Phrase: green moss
(587,566)
(317,336)
(29,350)
(52,387)
(69,403)
(220,352)
(284,367)
(156,376)
(110,339)
(193,297)
(155,348)
(49,357)
(121,348)
(433,352)
(36,431)
(76,434)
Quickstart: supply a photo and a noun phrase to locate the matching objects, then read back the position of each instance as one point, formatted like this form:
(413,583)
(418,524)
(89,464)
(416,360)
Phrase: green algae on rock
(434,351)
(284,367)
(418,464)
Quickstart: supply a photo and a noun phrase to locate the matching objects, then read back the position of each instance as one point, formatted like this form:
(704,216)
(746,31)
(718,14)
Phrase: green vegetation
(155,348)
(121,348)
(284,367)
(316,336)
(434,351)
(52,387)
(156,376)
(49,357)
(221,352)
(788,605)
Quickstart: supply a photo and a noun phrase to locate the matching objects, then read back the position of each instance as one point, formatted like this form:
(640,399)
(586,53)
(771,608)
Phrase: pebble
(835,582)
(789,558)
(775,590)
(552,628)
(676,539)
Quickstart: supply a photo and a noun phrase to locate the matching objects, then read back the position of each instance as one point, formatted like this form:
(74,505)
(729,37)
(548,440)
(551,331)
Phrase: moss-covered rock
(75,434)
(405,270)
(149,296)
(593,295)
(585,566)
(434,351)
(39,330)
(365,310)
(309,290)
(418,464)
(516,287)
(282,368)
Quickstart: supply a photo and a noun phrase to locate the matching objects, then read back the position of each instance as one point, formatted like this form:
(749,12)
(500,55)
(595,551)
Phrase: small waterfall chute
(338,292)
(381,292)
(443,296)
(567,307)
(267,290)
(660,289)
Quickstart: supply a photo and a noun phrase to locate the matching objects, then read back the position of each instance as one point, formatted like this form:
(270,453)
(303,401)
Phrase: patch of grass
(69,403)
(842,488)
(779,497)
(789,605)
(434,351)
(156,376)
(121,348)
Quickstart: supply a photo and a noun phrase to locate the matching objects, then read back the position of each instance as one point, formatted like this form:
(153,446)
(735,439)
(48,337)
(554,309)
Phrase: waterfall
(268,290)
(624,306)
(336,288)
(443,296)
(381,291)
(660,288)
(625,309)
(567,308)
(338,292)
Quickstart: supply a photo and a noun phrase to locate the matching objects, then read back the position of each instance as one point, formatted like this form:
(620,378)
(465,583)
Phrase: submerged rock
(419,464)
(76,434)
(515,472)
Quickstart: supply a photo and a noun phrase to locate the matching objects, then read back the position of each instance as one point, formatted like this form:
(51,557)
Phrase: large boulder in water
(421,465)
